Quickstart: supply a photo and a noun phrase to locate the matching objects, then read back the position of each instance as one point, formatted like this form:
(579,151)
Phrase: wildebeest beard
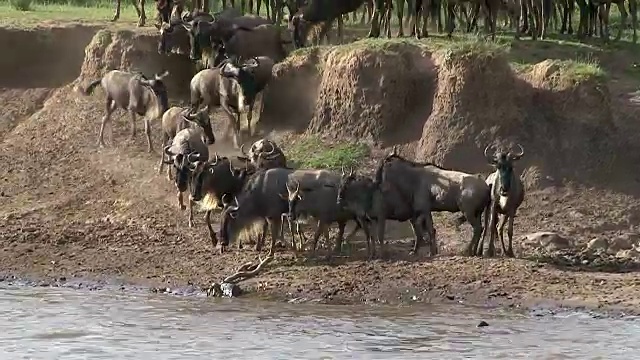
(505,173)
(182,174)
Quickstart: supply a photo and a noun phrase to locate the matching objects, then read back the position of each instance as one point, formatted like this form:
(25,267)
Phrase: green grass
(313,153)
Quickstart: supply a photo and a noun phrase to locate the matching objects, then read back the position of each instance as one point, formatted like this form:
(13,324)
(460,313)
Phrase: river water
(59,323)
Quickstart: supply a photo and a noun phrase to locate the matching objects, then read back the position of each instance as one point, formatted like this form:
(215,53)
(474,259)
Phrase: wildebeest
(234,87)
(320,11)
(178,33)
(214,180)
(313,193)
(138,5)
(137,94)
(404,190)
(203,33)
(178,118)
(507,193)
(261,198)
(264,154)
(187,152)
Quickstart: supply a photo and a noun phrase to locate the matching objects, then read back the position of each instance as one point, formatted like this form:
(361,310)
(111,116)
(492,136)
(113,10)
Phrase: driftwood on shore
(229,286)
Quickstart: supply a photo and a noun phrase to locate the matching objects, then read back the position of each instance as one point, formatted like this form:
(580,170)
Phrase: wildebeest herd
(264,189)
(531,17)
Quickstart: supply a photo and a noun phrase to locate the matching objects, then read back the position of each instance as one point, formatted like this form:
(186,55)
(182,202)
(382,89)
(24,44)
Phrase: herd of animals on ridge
(244,50)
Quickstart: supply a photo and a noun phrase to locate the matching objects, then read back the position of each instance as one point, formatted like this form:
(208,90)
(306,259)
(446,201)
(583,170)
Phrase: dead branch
(247,271)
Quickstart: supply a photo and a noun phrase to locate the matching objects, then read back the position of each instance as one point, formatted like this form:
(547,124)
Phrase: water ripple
(46,323)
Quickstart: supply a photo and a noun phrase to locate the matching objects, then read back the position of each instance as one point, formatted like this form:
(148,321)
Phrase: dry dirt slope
(70,208)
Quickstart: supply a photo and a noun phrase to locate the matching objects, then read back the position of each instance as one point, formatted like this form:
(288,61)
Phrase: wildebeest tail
(89,89)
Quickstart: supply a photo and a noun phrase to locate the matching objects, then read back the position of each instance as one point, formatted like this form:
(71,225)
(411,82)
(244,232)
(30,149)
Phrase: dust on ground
(71,209)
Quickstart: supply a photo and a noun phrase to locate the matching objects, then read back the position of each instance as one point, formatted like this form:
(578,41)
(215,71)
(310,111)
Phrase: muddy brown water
(59,323)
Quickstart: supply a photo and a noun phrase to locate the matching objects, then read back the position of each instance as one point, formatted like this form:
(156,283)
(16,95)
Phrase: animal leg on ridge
(510,235)
(503,221)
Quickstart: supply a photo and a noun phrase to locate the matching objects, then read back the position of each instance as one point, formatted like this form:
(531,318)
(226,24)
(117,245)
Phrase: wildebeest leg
(275,233)
(116,16)
(234,122)
(480,245)
(417,230)
(139,6)
(501,232)
(191,223)
(180,201)
(260,241)
(340,236)
(476,223)
(147,132)
(133,124)
(431,232)
(111,106)
(510,235)
(249,116)
(212,234)
(493,224)
(165,139)
(320,229)
(380,235)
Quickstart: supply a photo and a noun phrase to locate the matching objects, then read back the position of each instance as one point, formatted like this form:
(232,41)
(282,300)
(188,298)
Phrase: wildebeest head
(244,76)
(299,29)
(221,55)
(184,164)
(228,223)
(355,193)
(159,88)
(293,197)
(217,177)
(261,151)
(202,119)
(503,162)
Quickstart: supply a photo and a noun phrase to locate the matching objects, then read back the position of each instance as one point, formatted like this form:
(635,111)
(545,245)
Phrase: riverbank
(160,258)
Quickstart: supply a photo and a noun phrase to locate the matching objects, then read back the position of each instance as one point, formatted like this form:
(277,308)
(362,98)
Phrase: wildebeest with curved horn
(507,194)
(261,198)
(135,93)
(264,154)
(178,118)
(214,180)
(187,152)
(234,87)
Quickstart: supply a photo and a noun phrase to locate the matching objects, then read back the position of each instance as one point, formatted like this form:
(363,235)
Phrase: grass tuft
(313,153)
(21,5)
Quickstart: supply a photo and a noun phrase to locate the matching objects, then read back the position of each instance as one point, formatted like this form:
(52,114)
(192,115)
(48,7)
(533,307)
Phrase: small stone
(414,298)
(483,324)
(548,240)
(598,244)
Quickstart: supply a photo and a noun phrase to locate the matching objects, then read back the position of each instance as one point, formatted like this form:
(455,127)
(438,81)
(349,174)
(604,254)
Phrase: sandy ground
(71,210)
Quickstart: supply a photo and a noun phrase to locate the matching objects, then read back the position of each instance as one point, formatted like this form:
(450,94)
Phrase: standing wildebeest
(507,193)
(264,154)
(178,118)
(187,153)
(203,34)
(135,93)
(138,5)
(404,190)
(234,87)
(313,193)
(320,11)
(213,181)
(261,198)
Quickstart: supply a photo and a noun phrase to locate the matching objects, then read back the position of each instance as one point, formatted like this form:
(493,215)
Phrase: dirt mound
(448,105)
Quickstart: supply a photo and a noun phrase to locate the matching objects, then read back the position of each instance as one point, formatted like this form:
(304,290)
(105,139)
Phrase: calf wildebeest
(137,94)
(313,193)
(320,11)
(264,154)
(261,198)
(234,87)
(178,118)
(187,152)
(507,193)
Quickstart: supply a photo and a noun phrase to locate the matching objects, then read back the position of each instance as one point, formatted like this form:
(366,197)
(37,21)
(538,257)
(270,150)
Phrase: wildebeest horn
(490,158)
(162,75)
(168,151)
(518,155)
(224,203)
(242,150)
(215,159)
(273,147)
(193,156)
